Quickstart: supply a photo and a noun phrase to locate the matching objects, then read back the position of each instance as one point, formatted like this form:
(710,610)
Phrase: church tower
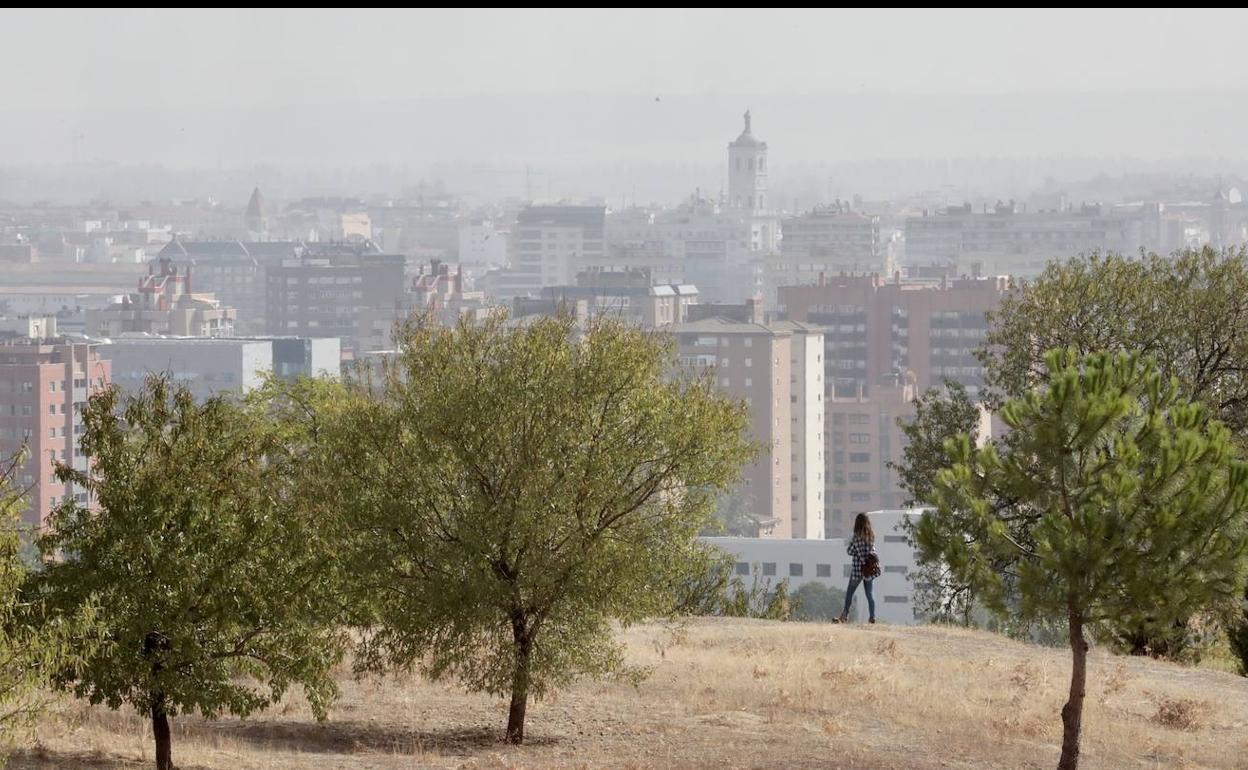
(255,221)
(747,172)
(747,189)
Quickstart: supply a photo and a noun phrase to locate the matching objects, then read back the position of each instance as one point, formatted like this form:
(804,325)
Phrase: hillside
(729,694)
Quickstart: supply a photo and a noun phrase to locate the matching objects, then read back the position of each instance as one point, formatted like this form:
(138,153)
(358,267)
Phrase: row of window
(797,569)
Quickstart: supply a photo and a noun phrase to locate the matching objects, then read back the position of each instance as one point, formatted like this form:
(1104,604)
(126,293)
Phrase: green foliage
(32,646)
(815,601)
(512,492)
(216,593)
(939,415)
(735,515)
(1189,312)
(1116,491)
(759,600)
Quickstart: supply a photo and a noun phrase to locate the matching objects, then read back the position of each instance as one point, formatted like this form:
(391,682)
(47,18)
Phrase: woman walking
(865,567)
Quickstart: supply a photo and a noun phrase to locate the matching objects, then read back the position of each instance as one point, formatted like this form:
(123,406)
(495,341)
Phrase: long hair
(862,528)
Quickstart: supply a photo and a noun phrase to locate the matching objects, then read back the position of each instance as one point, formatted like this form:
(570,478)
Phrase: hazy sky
(87,58)
(351,86)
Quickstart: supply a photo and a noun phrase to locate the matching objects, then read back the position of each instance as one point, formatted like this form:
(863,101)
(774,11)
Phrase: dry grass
(729,694)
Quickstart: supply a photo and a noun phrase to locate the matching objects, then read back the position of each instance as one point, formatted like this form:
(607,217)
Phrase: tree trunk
(1072,712)
(160,731)
(519,679)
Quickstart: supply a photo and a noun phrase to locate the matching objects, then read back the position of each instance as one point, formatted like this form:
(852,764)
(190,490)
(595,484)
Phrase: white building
(826,562)
(827,241)
(206,366)
(551,244)
(806,377)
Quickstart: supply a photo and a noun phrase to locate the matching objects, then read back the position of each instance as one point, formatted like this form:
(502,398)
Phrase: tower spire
(747,121)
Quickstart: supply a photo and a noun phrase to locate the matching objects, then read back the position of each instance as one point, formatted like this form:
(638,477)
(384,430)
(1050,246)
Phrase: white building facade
(826,562)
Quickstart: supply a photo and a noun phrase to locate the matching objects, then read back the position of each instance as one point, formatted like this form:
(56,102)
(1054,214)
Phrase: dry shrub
(1116,682)
(1016,724)
(1025,676)
(844,674)
(1181,713)
(888,648)
(760,673)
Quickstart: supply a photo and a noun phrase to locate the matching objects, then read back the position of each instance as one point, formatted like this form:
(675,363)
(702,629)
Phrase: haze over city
(675,388)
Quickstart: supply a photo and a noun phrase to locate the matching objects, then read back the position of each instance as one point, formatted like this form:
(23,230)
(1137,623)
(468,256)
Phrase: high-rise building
(881,333)
(884,344)
(756,362)
(44,385)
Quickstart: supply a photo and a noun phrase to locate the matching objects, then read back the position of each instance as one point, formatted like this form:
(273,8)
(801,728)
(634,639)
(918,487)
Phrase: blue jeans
(849,595)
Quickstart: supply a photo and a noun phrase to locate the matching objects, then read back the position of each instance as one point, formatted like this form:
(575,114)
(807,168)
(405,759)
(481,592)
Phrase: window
(769,568)
(859,419)
(896,600)
(743,568)
(823,570)
(748,382)
(860,457)
(859,497)
(895,539)
(860,477)
(899,570)
(749,362)
(795,570)
(849,568)
(859,438)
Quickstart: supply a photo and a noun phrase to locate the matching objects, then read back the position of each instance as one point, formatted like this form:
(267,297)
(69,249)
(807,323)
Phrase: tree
(735,515)
(1189,312)
(32,647)
(1117,491)
(939,415)
(514,491)
(216,594)
(815,601)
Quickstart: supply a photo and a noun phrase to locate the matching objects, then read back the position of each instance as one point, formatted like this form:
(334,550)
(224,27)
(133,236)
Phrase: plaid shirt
(858,548)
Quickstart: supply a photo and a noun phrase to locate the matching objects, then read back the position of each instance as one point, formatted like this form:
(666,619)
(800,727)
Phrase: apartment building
(354,294)
(44,385)
(551,244)
(756,362)
(829,240)
(889,332)
(234,272)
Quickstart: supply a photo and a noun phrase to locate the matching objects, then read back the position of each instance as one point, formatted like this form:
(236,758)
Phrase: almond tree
(513,492)
(216,594)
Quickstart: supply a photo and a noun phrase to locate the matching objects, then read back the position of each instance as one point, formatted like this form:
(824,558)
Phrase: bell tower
(747,172)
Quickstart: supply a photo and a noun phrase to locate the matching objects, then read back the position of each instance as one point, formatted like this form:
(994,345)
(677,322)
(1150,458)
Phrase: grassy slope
(730,694)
